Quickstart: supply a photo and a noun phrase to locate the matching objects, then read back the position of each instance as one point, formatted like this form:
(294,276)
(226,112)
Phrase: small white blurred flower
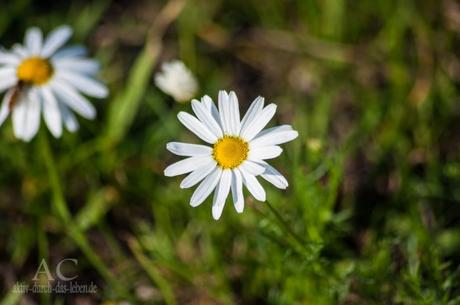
(176,80)
(43,76)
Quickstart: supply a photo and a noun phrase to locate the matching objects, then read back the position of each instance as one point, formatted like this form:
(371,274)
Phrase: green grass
(372,213)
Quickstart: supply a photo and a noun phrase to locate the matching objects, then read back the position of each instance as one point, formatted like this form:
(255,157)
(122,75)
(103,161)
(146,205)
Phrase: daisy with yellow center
(43,76)
(237,153)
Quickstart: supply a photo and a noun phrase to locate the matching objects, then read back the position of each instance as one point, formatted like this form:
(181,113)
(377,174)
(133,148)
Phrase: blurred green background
(371,86)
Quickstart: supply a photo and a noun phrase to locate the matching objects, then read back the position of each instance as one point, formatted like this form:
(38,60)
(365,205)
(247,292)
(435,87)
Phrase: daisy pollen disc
(35,70)
(230,151)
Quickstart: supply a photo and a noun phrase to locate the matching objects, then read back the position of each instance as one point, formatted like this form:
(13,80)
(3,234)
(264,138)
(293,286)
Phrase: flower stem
(287,228)
(63,213)
(152,272)
(42,241)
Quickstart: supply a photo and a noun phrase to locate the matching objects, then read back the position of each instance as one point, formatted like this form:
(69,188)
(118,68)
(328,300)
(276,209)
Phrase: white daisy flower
(176,80)
(43,76)
(237,153)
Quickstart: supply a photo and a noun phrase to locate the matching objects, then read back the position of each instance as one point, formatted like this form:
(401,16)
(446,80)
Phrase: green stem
(42,241)
(152,271)
(63,213)
(287,228)
(12,297)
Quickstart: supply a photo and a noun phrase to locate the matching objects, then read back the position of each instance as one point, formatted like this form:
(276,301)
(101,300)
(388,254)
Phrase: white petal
(252,167)
(186,166)
(253,185)
(187,149)
(206,118)
(70,121)
(206,187)
(78,65)
(207,101)
(7,73)
(7,79)
(19,118)
(274,136)
(258,123)
(237,191)
(234,112)
(224,112)
(276,128)
(5,108)
(7,58)
(73,99)
(197,175)
(33,40)
(255,108)
(33,116)
(221,193)
(274,177)
(264,152)
(69,52)
(195,126)
(51,112)
(55,40)
(26,116)
(83,83)
(20,51)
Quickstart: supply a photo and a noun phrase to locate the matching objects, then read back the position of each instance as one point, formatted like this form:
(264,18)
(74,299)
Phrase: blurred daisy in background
(237,153)
(42,76)
(177,81)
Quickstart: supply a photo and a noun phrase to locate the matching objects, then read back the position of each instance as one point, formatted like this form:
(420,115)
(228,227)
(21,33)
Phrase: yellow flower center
(229,151)
(35,71)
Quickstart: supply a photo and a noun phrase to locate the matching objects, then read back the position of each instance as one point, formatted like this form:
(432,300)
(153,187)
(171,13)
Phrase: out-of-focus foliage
(371,86)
